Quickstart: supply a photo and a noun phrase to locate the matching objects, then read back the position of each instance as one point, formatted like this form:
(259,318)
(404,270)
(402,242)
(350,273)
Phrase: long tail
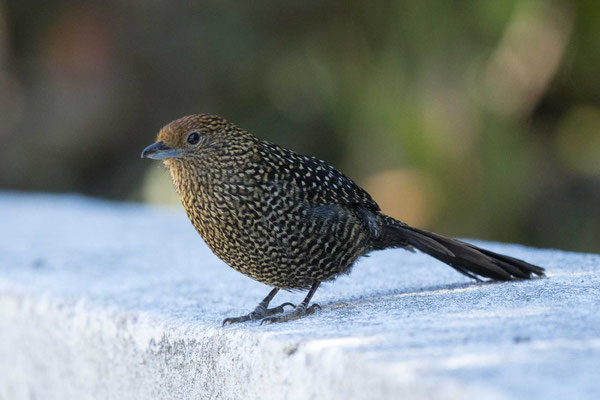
(463,257)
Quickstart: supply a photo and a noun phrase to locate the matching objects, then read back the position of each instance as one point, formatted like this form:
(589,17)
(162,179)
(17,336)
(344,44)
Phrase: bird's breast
(230,217)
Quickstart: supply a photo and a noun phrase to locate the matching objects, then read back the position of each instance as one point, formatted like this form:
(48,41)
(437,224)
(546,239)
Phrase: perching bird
(292,221)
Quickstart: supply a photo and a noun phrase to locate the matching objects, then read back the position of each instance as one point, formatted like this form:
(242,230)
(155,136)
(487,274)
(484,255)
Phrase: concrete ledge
(106,300)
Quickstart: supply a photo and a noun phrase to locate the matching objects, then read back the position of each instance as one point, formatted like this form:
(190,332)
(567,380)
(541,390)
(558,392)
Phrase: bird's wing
(320,183)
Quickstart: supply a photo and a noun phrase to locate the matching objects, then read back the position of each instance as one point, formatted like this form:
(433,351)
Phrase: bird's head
(202,138)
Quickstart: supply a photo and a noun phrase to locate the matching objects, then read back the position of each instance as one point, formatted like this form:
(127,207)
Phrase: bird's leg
(260,311)
(299,311)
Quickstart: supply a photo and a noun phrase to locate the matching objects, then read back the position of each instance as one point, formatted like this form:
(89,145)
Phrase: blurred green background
(470,118)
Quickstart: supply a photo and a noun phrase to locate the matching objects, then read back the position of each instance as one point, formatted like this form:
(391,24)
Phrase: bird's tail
(467,259)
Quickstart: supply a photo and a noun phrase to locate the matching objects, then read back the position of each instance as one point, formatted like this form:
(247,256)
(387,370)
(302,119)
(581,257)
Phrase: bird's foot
(300,311)
(258,313)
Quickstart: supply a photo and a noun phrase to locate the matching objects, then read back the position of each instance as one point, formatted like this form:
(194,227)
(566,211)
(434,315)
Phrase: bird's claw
(233,320)
(227,321)
(258,313)
(280,309)
(298,312)
(313,308)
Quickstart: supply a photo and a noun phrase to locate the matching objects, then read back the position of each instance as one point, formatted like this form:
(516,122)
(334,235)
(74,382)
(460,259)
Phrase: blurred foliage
(475,119)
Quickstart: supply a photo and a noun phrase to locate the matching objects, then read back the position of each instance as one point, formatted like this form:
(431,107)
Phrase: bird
(292,221)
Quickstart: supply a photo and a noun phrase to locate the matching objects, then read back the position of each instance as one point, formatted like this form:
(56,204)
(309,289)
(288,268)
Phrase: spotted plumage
(288,220)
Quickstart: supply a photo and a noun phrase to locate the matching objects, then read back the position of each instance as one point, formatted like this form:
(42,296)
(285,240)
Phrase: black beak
(160,151)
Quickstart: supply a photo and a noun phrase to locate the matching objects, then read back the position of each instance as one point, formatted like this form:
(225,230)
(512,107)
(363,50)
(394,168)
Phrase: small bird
(292,221)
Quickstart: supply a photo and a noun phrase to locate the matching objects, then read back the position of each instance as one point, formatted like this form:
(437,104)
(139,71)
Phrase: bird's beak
(160,151)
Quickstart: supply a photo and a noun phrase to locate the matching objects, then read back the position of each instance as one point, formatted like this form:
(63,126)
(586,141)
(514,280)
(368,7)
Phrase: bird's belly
(285,251)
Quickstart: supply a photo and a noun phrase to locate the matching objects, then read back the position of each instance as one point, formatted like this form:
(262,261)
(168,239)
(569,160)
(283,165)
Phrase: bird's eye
(193,138)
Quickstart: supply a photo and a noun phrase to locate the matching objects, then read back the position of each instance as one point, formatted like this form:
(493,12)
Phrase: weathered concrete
(107,300)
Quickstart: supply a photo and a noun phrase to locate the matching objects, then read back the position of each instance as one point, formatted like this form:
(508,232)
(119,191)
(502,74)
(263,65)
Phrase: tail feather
(466,258)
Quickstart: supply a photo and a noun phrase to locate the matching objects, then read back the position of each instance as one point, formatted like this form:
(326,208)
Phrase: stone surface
(109,300)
